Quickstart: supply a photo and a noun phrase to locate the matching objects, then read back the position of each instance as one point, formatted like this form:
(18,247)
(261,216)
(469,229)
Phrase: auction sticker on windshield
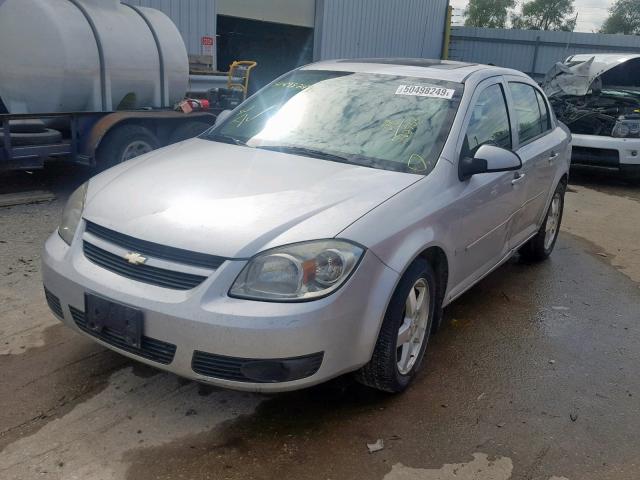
(422,91)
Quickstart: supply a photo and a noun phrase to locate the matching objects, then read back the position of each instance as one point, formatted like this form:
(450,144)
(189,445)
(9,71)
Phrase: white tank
(88,55)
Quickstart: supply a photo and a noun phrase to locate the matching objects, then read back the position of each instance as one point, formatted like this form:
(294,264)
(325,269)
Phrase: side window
(527,111)
(489,122)
(544,112)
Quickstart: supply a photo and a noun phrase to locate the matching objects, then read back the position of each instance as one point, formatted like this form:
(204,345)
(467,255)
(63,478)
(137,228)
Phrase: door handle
(517,178)
(553,156)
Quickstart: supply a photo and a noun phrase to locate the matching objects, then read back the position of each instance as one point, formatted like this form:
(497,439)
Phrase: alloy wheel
(413,329)
(553,221)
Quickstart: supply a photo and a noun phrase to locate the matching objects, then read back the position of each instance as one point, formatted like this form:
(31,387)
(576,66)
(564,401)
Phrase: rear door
(538,147)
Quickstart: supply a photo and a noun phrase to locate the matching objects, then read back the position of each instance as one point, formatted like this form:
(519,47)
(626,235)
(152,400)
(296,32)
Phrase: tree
(624,17)
(545,15)
(487,13)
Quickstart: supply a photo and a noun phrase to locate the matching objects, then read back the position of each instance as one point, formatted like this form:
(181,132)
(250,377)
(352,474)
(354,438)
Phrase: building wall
(290,12)
(194,18)
(532,51)
(283,34)
(277,47)
(379,28)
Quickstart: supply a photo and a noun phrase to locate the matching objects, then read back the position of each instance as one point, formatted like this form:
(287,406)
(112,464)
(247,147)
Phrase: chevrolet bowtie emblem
(135,258)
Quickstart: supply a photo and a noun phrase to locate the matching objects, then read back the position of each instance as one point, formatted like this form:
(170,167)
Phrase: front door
(487,202)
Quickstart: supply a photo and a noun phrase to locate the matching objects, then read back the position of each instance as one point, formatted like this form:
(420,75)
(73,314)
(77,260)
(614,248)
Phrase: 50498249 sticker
(423,91)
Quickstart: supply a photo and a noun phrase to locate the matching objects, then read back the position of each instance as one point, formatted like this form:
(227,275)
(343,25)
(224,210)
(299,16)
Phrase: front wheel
(405,331)
(541,246)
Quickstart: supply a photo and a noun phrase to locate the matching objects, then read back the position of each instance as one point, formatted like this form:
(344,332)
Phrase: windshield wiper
(307,152)
(226,139)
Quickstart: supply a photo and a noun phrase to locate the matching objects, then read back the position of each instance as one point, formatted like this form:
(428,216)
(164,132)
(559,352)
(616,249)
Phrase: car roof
(448,70)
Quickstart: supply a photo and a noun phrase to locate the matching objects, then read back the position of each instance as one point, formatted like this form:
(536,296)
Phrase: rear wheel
(123,143)
(541,246)
(405,331)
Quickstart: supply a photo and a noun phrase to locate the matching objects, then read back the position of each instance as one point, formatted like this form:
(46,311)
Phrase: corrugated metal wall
(194,18)
(379,28)
(289,12)
(532,51)
(343,28)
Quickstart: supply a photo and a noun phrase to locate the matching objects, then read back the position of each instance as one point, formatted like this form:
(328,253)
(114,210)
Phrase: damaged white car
(598,97)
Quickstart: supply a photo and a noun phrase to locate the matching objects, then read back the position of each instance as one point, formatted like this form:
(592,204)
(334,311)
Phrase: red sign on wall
(206,45)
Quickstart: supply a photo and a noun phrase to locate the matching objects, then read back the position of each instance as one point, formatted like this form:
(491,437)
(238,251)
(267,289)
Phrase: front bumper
(607,152)
(342,327)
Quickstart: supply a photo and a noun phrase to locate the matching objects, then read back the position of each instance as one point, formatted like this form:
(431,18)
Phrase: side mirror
(488,159)
(222,116)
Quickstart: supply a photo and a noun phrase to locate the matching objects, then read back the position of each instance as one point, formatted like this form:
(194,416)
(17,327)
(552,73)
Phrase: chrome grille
(142,273)
(156,250)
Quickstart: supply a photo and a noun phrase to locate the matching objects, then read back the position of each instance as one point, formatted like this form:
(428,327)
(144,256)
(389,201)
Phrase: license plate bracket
(103,315)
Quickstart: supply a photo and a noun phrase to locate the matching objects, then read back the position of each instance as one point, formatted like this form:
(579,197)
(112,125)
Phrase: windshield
(381,121)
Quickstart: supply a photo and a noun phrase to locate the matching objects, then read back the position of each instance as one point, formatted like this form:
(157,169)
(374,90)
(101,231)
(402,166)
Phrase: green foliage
(545,15)
(624,17)
(487,13)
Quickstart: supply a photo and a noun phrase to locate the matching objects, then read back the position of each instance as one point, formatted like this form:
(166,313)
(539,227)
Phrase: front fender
(413,220)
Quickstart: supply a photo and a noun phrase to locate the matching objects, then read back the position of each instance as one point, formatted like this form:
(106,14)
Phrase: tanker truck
(93,82)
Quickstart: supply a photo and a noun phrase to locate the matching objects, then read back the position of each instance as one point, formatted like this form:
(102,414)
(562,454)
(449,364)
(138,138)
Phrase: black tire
(535,249)
(188,130)
(631,174)
(116,146)
(382,371)
(47,137)
(27,126)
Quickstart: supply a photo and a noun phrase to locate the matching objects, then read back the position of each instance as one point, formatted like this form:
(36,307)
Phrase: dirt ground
(534,376)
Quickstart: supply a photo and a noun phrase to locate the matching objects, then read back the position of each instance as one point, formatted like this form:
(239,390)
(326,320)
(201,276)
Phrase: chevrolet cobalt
(318,229)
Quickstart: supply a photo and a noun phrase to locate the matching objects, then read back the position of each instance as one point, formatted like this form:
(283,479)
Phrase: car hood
(235,201)
(581,73)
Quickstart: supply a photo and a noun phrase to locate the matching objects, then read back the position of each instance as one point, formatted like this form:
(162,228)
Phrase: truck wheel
(123,143)
(47,137)
(188,130)
(541,246)
(405,331)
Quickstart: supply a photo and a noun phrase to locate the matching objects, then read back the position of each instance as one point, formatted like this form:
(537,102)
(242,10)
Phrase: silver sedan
(318,229)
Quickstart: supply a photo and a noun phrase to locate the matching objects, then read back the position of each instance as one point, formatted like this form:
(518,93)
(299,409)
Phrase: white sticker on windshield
(422,91)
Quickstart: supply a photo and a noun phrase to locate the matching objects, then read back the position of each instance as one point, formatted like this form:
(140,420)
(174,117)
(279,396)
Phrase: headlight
(72,214)
(627,126)
(620,130)
(302,271)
